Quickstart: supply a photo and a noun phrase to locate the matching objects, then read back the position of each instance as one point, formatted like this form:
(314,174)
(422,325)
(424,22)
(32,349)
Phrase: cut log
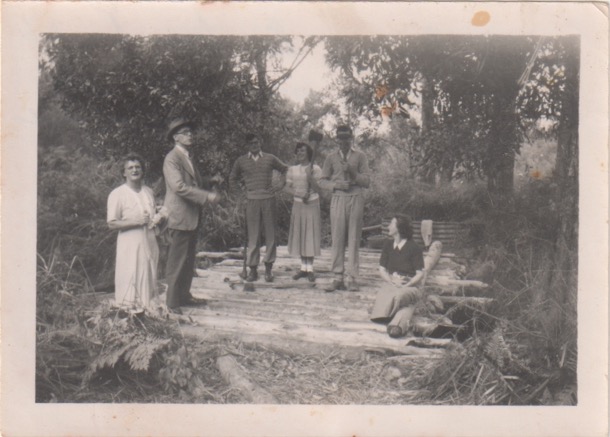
(290,285)
(442,280)
(236,377)
(468,300)
(298,315)
(356,335)
(220,255)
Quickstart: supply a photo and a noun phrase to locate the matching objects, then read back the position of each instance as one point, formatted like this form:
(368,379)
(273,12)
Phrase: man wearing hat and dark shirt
(346,175)
(255,169)
(183,198)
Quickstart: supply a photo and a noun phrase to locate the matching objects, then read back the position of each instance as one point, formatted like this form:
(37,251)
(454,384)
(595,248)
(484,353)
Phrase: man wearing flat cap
(346,175)
(254,171)
(183,198)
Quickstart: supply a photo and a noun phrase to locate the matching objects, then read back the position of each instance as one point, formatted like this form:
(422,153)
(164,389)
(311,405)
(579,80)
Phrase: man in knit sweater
(255,171)
(346,175)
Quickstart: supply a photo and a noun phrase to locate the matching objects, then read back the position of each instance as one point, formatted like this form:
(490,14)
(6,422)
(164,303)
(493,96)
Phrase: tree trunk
(563,279)
(263,96)
(427,117)
(502,146)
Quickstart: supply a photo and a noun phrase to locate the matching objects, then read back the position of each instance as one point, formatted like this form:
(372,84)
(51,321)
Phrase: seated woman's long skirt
(395,305)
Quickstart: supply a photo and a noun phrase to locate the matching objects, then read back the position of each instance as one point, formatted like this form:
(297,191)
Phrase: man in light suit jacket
(183,199)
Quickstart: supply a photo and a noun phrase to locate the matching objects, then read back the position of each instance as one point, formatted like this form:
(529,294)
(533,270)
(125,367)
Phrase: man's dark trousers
(179,267)
(260,215)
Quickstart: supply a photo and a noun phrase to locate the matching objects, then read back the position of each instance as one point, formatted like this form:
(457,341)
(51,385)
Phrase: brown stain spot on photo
(480,18)
(536,174)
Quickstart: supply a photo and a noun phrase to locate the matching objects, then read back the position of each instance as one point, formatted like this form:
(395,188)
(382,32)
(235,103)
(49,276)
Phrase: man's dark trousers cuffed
(180,265)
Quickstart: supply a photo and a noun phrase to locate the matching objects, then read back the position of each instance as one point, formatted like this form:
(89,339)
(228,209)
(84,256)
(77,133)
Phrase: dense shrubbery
(536,329)
(72,192)
(536,326)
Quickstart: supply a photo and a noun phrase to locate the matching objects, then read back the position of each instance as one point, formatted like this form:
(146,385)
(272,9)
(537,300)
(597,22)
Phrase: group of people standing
(132,211)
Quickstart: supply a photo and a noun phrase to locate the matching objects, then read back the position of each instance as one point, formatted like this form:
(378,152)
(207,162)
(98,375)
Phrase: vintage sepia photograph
(461,149)
(326,217)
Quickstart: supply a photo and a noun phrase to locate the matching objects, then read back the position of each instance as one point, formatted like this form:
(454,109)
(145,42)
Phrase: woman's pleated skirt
(304,235)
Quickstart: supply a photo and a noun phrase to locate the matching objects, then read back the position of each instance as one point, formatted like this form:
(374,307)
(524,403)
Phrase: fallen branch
(236,377)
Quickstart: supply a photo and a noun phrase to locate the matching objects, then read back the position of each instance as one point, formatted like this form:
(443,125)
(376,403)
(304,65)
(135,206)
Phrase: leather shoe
(335,285)
(253,276)
(311,277)
(268,274)
(299,275)
(395,331)
(194,301)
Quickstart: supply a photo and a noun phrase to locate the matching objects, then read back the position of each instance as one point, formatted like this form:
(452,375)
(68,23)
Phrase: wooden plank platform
(297,315)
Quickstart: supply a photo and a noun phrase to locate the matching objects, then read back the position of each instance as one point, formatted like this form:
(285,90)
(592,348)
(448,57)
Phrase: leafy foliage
(72,192)
(469,93)
(124,90)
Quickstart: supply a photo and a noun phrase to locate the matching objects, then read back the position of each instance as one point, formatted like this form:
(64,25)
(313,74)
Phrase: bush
(536,329)
(421,201)
(72,192)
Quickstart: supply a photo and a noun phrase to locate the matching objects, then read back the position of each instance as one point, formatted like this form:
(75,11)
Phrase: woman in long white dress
(304,235)
(131,211)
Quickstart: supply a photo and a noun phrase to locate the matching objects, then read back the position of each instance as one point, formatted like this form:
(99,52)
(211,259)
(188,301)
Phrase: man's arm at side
(361,175)
(175,180)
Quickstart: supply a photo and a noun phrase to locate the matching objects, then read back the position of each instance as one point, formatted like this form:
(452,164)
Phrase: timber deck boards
(298,315)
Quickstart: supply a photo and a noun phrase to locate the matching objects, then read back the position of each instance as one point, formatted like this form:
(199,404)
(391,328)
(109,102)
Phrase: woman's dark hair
(403,225)
(306,146)
(132,157)
(249,137)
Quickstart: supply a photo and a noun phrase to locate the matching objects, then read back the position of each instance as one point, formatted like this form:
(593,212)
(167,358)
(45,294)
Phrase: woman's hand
(157,218)
(144,219)
(397,280)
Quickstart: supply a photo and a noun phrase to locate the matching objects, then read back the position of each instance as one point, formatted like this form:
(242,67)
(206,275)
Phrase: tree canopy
(473,94)
(125,89)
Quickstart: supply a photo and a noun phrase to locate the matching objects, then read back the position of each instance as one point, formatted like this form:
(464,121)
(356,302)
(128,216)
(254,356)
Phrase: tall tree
(465,83)
(124,89)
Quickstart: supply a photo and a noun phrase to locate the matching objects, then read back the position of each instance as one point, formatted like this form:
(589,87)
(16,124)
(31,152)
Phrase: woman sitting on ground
(402,267)
(131,211)
(304,235)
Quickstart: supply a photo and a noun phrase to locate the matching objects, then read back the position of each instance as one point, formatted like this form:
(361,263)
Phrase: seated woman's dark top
(405,261)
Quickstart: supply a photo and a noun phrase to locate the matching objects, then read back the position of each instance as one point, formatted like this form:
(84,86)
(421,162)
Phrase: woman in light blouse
(304,235)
